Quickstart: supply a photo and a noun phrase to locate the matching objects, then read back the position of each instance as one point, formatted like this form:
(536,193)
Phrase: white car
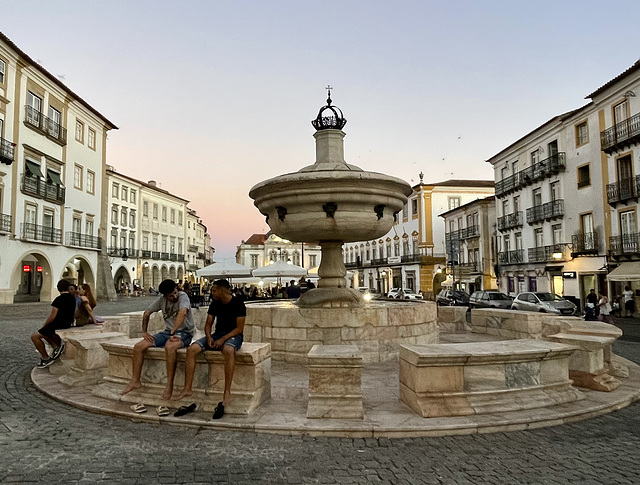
(403,294)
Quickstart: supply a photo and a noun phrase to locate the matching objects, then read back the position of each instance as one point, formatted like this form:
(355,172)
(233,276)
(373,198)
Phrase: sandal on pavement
(138,408)
(163,411)
(218,412)
(182,410)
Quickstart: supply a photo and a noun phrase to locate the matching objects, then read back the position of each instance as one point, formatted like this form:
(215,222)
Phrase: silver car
(543,303)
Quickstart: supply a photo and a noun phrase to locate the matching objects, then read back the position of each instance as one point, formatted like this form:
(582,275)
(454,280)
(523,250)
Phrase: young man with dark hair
(229,312)
(61,316)
(178,332)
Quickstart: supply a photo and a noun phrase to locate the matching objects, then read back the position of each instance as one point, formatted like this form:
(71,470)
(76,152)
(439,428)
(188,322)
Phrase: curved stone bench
(485,377)
(251,379)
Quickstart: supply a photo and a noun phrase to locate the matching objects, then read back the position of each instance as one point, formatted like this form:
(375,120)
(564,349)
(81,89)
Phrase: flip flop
(182,410)
(163,411)
(138,408)
(218,412)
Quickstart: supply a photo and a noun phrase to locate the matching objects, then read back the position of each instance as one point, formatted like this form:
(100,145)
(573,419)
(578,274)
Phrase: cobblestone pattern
(43,441)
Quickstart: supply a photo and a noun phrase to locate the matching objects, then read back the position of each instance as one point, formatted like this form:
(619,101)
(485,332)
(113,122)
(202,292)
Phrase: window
(3,68)
(55,119)
(405,211)
(516,204)
(254,260)
(584,176)
(164,244)
(312,260)
(173,216)
(155,243)
(453,202)
(504,173)
(53,177)
(537,197)
(123,216)
(114,214)
(179,218)
(514,167)
(164,213)
(414,207)
(145,243)
(89,227)
(132,240)
(535,157)
(77,177)
(518,240)
(125,194)
(145,208)
(179,246)
(505,207)
(35,103)
(396,247)
(91,182)
(79,131)
(155,211)
(582,134)
(115,191)
(92,139)
(132,196)
(539,237)
(557,233)
(76,226)
(132,219)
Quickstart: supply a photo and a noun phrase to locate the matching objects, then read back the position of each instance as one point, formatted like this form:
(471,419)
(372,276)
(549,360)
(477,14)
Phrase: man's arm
(182,314)
(51,317)
(236,331)
(207,329)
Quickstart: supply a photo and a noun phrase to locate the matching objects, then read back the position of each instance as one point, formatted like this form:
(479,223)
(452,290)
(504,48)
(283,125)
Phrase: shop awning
(626,272)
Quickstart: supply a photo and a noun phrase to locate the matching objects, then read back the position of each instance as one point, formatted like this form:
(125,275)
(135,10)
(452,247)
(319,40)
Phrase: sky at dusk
(212,97)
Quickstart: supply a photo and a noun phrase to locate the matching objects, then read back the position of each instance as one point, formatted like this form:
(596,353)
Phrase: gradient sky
(211,97)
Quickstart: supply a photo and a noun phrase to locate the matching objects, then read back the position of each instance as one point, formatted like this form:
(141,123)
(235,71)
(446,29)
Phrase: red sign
(39,269)
(26,268)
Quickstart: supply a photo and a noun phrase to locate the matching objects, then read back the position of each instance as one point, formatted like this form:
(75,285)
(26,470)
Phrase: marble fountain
(331,363)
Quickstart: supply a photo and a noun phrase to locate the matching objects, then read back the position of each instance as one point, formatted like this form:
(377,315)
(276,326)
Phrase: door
(628,234)
(557,285)
(30,218)
(586,228)
(47,226)
(625,178)
(620,115)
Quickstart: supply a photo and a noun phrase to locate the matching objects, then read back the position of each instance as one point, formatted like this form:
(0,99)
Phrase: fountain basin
(377,329)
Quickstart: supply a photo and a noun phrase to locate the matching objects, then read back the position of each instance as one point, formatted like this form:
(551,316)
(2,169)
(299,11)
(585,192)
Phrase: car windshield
(498,296)
(548,297)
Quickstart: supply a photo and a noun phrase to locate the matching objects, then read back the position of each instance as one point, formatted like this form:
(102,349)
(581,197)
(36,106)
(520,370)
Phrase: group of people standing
(599,307)
(74,306)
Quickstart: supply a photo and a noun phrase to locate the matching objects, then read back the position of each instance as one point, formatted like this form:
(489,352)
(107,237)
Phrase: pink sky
(212,97)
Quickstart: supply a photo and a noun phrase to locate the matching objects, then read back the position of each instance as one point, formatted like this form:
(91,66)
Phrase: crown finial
(333,119)
(328,88)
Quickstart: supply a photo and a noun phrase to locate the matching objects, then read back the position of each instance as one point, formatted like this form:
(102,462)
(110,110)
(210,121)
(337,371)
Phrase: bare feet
(185,393)
(166,395)
(132,385)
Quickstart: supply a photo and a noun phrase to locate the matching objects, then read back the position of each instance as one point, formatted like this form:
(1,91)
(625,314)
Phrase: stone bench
(335,385)
(587,365)
(485,377)
(251,380)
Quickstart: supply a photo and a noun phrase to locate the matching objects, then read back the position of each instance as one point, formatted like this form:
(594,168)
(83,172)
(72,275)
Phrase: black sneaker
(58,351)
(45,363)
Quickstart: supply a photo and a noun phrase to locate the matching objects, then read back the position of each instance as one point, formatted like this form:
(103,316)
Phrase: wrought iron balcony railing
(39,187)
(411,258)
(173,256)
(124,253)
(554,252)
(470,231)
(511,257)
(623,190)
(48,127)
(624,244)
(5,223)
(35,232)
(545,168)
(164,256)
(82,240)
(155,254)
(584,243)
(473,267)
(145,253)
(192,248)
(6,151)
(620,135)
(510,221)
(548,210)
(453,235)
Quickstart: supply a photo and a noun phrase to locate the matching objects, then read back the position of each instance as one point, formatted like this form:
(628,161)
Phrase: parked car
(366,293)
(490,299)
(544,303)
(452,297)
(403,294)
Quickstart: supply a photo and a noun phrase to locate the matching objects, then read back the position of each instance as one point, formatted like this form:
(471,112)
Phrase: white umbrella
(224,269)
(280,269)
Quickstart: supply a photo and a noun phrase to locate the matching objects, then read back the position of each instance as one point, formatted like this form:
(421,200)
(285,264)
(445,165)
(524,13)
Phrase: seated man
(61,316)
(178,332)
(229,312)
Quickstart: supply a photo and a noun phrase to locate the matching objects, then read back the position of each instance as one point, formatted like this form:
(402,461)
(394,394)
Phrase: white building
(262,249)
(53,154)
(199,251)
(412,254)
(470,236)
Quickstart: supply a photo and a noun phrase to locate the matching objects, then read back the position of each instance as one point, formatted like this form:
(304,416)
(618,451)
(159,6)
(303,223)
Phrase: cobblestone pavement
(43,441)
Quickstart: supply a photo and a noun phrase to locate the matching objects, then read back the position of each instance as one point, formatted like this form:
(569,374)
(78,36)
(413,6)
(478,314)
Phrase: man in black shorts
(229,312)
(61,316)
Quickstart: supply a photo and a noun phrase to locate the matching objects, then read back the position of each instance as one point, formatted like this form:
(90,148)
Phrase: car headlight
(367,296)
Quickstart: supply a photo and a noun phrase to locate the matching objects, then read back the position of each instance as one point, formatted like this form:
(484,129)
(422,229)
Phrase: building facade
(199,251)
(412,254)
(469,237)
(262,249)
(53,154)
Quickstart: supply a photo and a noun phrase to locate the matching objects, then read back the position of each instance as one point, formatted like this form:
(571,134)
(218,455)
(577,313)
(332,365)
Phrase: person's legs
(229,353)
(138,359)
(171,351)
(190,369)
(36,338)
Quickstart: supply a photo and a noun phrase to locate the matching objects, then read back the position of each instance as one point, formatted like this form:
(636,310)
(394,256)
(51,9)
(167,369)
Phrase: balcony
(410,258)
(510,221)
(124,253)
(379,261)
(542,254)
(39,187)
(584,244)
(351,265)
(626,244)
(621,135)
(452,236)
(6,151)
(548,211)
(511,257)
(35,232)
(155,254)
(48,127)
(469,232)
(164,256)
(192,248)
(193,267)
(546,168)
(82,240)
(5,223)
(623,190)
(472,267)
(173,257)
(146,253)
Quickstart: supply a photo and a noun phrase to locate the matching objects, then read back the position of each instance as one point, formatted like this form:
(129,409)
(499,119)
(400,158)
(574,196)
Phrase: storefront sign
(569,274)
